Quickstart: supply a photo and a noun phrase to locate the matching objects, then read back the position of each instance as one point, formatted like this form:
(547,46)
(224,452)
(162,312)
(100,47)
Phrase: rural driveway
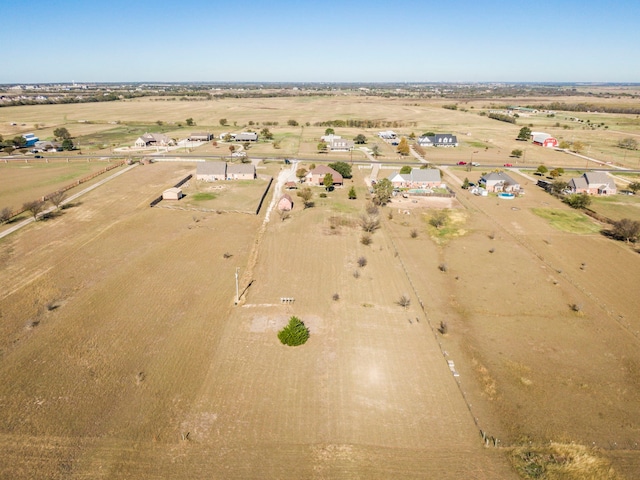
(284,176)
(68,200)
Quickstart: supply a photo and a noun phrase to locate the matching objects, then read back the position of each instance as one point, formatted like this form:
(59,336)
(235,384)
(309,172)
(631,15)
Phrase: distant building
(241,171)
(200,137)
(246,137)
(285,203)
(174,193)
(499,182)
(544,139)
(439,140)
(211,171)
(316,176)
(417,178)
(340,145)
(593,183)
(154,140)
(30,138)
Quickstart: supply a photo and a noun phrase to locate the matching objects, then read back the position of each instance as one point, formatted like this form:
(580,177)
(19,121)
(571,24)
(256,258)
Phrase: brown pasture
(123,356)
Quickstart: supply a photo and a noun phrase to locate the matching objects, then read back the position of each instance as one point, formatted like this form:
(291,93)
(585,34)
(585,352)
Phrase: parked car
(475,164)
(461,163)
(508,164)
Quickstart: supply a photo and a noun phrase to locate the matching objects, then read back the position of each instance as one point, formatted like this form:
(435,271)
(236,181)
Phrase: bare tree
(404,301)
(34,208)
(306,194)
(369,223)
(5,215)
(57,198)
(362,262)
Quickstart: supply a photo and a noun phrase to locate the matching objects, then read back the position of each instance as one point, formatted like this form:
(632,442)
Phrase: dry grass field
(123,355)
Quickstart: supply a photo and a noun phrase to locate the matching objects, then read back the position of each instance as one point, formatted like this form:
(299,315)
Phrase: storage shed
(173,193)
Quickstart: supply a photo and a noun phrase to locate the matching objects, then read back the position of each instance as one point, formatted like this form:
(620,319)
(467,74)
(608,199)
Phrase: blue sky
(331,41)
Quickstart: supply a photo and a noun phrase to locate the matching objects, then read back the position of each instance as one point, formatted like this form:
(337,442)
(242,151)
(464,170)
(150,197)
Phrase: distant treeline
(364,123)
(586,107)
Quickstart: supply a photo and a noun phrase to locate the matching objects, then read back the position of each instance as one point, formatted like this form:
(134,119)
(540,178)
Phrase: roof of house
(499,177)
(440,138)
(241,168)
(155,137)
(286,196)
(417,175)
(540,137)
(246,136)
(592,180)
(211,168)
(322,170)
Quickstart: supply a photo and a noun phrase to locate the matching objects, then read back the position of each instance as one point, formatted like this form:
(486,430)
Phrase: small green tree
(360,139)
(628,143)
(634,187)
(343,168)
(292,123)
(542,169)
(301,173)
(266,134)
(577,147)
(295,333)
(439,219)
(190,122)
(578,200)
(352,193)
(329,131)
(403,147)
(327,181)
(627,229)
(223,122)
(524,134)
(405,169)
(558,186)
(323,147)
(61,133)
(67,144)
(465,183)
(375,151)
(517,153)
(564,145)
(306,195)
(382,191)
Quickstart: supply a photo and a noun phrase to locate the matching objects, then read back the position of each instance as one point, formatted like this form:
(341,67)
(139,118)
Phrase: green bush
(295,333)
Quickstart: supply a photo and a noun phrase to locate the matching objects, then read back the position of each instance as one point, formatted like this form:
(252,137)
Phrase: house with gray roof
(241,171)
(154,140)
(438,140)
(593,183)
(417,178)
(499,182)
(246,137)
(340,145)
(211,171)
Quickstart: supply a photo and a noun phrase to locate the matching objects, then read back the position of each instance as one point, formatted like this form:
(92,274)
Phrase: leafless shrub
(5,215)
(372,209)
(492,235)
(576,307)
(369,223)
(443,267)
(491,250)
(404,301)
(443,328)
(583,266)
(356,274)
(51,306)
(335,297)
(34,207)
(226,255)
(390,215)
(140,376)
(414,233)
(362,262)
(366,239)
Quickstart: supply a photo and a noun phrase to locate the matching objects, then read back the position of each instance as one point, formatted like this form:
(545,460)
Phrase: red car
(508,164)
(461,163)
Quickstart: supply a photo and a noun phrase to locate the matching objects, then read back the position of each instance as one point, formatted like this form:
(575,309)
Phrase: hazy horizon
(566,41)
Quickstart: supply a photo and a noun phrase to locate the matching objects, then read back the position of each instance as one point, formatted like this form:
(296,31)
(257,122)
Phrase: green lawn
(617,207)
(568,221)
